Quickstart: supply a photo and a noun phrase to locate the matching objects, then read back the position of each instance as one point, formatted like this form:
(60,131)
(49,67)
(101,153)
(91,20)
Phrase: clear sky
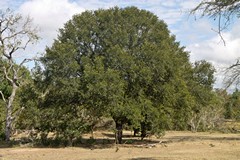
(196,34)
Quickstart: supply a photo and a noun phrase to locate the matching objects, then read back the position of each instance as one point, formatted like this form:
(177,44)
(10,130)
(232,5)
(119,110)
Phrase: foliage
(28,97)
(121,63)
(118,63)
(200,88)
(2,119)
(232,106)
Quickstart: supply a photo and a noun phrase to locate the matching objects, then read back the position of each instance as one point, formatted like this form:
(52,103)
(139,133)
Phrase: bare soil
(173,146)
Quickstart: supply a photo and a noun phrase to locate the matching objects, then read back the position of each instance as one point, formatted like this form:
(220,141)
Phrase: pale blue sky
(197,35)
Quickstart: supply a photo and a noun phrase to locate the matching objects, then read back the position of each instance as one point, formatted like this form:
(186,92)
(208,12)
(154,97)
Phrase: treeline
(122,64)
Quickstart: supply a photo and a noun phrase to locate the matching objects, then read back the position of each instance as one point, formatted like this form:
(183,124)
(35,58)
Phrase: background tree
(16,33)
(233,106)
(200,84)
(29,98)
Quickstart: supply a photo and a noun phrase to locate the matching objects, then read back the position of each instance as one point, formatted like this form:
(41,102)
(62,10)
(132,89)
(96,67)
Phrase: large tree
(16,33)
(122,63)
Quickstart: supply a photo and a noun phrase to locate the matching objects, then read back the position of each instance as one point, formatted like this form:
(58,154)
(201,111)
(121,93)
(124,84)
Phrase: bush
(2,136)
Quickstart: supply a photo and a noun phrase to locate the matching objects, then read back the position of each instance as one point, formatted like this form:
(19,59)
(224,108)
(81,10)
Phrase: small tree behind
(16,33)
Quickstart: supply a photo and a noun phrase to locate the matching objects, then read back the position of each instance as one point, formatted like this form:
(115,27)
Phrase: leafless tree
(232,75)
(224,12)
(16,33)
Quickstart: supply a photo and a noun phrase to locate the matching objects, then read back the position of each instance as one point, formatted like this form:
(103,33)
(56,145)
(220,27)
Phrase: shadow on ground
(143,158)
(106,140)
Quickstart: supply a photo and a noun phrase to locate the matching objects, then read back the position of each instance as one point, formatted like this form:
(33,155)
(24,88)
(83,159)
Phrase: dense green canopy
(124,64)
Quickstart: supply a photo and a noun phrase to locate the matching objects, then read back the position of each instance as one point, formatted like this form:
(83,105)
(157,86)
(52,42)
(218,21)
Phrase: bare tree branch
(6,74)
(234,65)
(3,97)
(222,10)
(219,31)
(17,112)
(26,60)
(13,37)
(232,74)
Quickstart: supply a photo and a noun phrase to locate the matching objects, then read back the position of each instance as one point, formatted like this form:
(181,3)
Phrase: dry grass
(173,146)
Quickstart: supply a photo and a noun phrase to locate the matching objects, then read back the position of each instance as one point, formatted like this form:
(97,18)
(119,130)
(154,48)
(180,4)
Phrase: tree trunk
(9,116)
(143,130)
(135,131)
(118,134)
(8,126)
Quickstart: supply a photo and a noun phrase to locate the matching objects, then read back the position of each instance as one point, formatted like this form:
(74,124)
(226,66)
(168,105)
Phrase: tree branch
(3,97)
(232,74)
(26,60)
(219,31)
(222,10)
(17,113)
(235,65)
(6,74)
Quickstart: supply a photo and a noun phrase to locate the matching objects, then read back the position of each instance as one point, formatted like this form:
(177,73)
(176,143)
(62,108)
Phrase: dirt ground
(173,146)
